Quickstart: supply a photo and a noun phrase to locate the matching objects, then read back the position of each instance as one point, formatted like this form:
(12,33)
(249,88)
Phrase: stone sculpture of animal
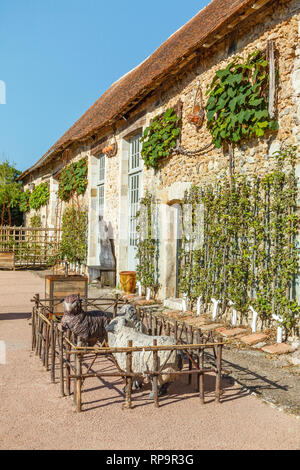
(120,331)
(130,313)
(90,327)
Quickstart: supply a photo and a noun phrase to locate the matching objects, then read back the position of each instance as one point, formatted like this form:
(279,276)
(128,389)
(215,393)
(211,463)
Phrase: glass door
(134,195)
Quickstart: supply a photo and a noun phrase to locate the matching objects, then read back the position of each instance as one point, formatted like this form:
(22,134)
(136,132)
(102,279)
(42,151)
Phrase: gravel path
(33,416)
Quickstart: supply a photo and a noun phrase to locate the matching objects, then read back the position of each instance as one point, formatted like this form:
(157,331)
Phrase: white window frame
(134,177)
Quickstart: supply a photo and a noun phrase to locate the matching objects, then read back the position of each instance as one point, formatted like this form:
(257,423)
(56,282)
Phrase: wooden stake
(155,377)
(128,401)
(47,348)
(61,364)
(78,381)
(33,319)
(219,372)
(68,368)
(116,306)
(74,341)
(190,342)
(52,339)
(43,343)
(201,375)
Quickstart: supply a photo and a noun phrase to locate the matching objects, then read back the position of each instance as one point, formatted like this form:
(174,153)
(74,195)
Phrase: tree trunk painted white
(148,294)
(199,304)
(215,309)
(254,319)
(184,303)
(139,286)
(277,318)
(234,314)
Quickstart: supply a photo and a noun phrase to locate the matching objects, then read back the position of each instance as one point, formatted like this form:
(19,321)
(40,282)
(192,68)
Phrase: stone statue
(106,258)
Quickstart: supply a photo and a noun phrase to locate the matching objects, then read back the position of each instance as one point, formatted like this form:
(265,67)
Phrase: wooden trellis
(32,247)
(53,346)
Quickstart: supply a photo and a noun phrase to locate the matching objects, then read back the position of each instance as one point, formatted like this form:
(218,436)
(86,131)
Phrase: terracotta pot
(128,281)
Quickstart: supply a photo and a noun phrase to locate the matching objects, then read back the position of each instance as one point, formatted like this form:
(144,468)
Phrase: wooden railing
(75,362)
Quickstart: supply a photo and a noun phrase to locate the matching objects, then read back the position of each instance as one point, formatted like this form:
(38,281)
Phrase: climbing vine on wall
(73,245)
(240,243)
(160,138)
(237,105)
(147,244)
(39,196)
(73,180)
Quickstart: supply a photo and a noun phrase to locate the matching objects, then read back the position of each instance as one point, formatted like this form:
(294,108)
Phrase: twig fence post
(52,341)
(61,363)
(219,370)
(128,401)
(68,368)
(155,377)
(116,306)
(78,379)
(47,347)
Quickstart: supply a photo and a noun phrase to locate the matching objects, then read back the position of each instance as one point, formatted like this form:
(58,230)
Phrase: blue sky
(58,56)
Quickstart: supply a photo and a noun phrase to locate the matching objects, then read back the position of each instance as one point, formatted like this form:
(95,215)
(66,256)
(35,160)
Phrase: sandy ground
(33,416)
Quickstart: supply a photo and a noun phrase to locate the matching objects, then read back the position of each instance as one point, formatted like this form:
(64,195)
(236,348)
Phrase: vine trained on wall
(248,252)
(237,105)
(39,196)
(73,245)
(73,180)
(160,138)
(147,245)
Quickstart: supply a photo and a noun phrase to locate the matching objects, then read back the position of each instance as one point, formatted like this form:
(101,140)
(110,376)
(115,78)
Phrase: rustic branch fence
(32,247)
(65,350)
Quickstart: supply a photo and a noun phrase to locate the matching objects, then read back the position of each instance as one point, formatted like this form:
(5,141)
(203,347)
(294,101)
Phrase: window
(134,161)
(134,194)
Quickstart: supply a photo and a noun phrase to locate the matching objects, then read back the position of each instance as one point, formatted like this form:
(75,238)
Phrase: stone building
(179,71)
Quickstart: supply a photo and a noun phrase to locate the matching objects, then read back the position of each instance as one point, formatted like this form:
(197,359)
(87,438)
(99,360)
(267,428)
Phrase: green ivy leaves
(39,196)
(73,180)
(160,138)
(237,105)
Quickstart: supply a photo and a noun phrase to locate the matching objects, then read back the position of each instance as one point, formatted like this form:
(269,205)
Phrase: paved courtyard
(33,416)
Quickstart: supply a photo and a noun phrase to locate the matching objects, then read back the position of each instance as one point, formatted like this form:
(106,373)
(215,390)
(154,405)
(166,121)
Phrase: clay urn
(128,281)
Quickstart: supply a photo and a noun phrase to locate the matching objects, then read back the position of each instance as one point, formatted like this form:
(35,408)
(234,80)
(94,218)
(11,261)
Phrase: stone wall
(281,24)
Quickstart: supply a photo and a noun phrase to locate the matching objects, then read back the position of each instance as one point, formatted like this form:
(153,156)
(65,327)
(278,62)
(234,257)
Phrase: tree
(10,194)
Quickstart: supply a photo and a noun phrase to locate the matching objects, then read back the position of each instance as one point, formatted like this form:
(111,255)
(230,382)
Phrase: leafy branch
(160,138)
(237,105)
